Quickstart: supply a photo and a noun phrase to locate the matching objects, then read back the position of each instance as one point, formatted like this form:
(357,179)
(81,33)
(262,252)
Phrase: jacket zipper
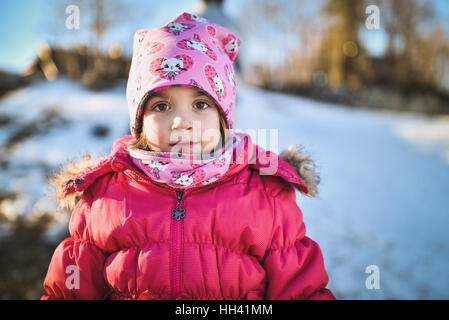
(177,217)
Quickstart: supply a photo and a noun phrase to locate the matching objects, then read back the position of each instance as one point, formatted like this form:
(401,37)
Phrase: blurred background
(363,85)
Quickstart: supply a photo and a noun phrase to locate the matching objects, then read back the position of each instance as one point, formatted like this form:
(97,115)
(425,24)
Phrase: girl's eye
(161,107)
(201,105)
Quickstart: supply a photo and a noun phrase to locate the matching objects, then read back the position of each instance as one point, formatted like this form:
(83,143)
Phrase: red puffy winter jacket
(242,237)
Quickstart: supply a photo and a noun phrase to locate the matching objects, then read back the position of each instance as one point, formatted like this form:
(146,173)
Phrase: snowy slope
(78,112)
(383,198)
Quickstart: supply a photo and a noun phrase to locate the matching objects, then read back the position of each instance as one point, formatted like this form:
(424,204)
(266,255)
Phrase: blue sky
(25,23)
(18,32)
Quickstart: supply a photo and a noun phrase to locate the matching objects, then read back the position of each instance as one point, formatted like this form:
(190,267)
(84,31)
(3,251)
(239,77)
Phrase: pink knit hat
(188,51)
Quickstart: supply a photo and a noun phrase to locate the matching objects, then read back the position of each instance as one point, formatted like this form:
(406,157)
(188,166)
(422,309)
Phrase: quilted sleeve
(75,272)
(76,268)
(294,263)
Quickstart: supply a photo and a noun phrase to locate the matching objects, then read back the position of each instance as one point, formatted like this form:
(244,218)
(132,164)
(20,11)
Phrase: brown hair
(141,141)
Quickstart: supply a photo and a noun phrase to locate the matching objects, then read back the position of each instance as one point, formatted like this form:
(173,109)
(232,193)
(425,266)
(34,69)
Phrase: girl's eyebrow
(198,94)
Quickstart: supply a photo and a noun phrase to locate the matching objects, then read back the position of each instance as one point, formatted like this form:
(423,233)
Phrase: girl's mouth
(181,142)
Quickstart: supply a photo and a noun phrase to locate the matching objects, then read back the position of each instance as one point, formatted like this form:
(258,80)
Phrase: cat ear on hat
(226,39)
(139,39)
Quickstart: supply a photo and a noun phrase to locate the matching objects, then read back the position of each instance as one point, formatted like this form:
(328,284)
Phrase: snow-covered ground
(78,112)
(383,196)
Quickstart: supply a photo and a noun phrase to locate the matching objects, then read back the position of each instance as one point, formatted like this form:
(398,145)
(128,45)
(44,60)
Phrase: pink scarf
(182,170)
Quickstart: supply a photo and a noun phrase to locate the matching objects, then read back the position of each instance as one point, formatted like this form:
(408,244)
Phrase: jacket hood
(293,165)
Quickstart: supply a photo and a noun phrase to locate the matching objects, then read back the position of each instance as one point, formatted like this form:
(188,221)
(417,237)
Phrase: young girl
(184,207)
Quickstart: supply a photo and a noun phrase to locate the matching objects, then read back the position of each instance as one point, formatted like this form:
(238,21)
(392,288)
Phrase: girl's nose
(182,121)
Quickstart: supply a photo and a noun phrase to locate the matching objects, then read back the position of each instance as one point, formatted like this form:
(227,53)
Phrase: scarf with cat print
(184,171)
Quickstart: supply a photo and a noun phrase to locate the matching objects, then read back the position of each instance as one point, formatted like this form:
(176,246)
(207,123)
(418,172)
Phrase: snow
(383,198)
(31,161)
(382,201)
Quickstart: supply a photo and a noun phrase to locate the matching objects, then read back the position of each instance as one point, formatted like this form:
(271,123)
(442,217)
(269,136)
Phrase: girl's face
(181,120)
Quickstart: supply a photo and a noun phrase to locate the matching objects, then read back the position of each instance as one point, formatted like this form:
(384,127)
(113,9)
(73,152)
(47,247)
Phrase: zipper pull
(178,212)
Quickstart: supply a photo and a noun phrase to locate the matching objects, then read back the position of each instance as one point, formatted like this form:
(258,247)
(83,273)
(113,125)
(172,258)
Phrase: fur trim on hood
(64,173)
(304,166)
(295,155)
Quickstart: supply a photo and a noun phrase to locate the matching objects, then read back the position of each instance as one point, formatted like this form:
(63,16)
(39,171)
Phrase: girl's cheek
(210,140)
(211,135)
(155,132)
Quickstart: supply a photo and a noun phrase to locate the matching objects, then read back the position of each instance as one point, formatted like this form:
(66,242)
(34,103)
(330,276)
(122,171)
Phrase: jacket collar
(270,163)
(120,159)
(252,156)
